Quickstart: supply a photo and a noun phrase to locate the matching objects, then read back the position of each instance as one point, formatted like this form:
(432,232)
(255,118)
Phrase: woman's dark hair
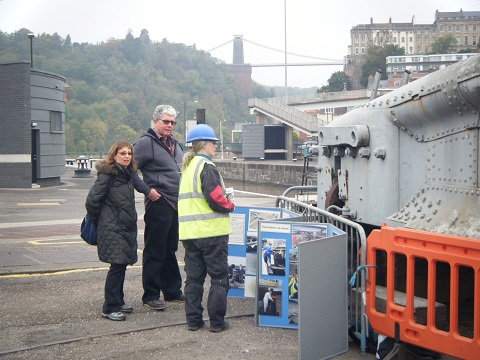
(110,159)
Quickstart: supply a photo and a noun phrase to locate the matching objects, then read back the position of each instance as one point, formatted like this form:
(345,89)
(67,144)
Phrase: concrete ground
(51,293)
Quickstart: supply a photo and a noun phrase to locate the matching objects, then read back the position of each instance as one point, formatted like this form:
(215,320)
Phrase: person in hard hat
(204,228)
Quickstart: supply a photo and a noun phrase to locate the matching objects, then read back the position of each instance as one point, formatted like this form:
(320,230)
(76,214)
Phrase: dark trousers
(114,288)
(202,256)
(160,271)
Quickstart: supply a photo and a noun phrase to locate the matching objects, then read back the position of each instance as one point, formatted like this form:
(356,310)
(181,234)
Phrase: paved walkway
(40,228)
(59,316)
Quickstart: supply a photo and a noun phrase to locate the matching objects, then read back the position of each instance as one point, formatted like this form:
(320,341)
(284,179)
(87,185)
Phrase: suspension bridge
(288,110)
(238,55)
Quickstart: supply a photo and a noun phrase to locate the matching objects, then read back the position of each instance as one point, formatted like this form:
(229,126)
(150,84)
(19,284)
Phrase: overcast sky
(316,28)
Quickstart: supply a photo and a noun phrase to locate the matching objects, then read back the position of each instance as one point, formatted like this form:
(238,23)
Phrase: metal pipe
(31,36)
(286,83)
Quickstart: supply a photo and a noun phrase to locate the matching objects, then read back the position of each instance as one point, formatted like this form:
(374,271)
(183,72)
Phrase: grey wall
(15,136)
(253,141)
(47,94)
(28,96)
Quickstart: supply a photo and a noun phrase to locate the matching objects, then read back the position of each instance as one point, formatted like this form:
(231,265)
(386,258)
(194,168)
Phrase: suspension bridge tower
(241,71)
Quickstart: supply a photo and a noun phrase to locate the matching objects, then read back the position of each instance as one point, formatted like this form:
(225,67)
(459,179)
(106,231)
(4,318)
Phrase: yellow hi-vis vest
(196,219)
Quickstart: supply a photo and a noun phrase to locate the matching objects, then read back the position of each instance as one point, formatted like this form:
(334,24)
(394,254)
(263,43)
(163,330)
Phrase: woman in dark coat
(111,203)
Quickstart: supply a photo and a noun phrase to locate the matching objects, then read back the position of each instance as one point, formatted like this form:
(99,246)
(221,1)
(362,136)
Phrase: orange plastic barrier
(433,248)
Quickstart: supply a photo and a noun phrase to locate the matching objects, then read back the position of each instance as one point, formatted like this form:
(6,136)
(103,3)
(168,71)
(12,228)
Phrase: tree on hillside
(120,81)
(258,91)
(468,50)
(444,45)
(125,133)
(68,43)
(339,81)
(376,59)
(95,133)
(383,38)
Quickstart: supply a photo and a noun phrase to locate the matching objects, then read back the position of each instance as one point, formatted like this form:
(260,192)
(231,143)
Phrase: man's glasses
(171,122)
(123,153)
(214,142)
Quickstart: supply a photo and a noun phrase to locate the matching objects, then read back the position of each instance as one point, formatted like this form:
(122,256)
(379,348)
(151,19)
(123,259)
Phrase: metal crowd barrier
(448,267)
(356,254)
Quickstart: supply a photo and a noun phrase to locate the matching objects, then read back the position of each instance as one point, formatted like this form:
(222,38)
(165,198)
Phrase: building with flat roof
(396,65)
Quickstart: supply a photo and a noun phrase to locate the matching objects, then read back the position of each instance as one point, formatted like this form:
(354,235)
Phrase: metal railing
(326,96)
(298,119)
(357,250)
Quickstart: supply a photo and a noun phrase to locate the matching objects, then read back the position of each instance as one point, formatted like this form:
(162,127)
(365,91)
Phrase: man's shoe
(126,308)
(115,316)
(195,327)
(156,305)
(181,298)
(219,329)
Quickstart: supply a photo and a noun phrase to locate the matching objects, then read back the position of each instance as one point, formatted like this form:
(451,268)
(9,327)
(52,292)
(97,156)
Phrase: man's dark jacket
(160,169)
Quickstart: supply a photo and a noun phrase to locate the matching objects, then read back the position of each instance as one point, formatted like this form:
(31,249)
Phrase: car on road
(308,148)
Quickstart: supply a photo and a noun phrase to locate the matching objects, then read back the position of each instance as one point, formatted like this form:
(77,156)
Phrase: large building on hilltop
(412,37)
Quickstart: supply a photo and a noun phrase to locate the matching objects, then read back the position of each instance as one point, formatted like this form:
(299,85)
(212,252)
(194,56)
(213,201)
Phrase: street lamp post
(184,122)
(286,83)
(221,139)
(31,36)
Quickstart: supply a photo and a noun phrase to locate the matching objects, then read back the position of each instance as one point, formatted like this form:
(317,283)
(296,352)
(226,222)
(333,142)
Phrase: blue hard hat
(201,132)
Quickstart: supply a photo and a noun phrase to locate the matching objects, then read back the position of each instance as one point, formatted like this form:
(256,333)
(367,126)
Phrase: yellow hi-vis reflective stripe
(196,218)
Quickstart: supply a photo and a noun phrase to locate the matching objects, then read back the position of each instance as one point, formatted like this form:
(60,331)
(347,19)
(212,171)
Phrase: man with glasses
(159,157)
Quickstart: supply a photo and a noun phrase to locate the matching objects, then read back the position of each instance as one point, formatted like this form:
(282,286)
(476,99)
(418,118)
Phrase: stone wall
(271,172)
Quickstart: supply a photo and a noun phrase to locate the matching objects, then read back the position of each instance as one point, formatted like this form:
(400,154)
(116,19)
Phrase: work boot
(220,329)
(196,326)
(156,304)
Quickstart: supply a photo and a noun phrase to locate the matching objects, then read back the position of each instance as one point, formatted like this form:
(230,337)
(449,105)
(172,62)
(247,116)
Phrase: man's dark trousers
(160,266)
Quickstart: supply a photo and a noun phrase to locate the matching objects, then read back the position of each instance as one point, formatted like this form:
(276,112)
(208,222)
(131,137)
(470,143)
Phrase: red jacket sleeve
(213,190)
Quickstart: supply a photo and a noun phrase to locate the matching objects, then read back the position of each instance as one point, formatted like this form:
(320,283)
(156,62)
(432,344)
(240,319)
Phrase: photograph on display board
(293,287)
(236,271)
(270,300)
(303,233)
(251,255)
(258,215)
(273,255)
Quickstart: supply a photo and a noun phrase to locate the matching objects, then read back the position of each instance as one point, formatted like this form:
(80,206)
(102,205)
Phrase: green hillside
(114,86)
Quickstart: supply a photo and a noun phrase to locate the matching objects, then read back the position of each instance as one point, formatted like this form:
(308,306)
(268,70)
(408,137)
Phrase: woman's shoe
(115,316)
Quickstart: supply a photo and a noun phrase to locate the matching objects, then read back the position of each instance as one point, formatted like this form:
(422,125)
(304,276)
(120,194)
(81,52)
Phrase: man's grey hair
(163,109)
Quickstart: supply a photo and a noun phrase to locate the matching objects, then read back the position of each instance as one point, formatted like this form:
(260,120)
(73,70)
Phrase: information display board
(278,283)
(242,246)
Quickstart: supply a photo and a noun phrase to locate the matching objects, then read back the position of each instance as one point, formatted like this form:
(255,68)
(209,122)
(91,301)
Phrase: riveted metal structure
(409,158)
